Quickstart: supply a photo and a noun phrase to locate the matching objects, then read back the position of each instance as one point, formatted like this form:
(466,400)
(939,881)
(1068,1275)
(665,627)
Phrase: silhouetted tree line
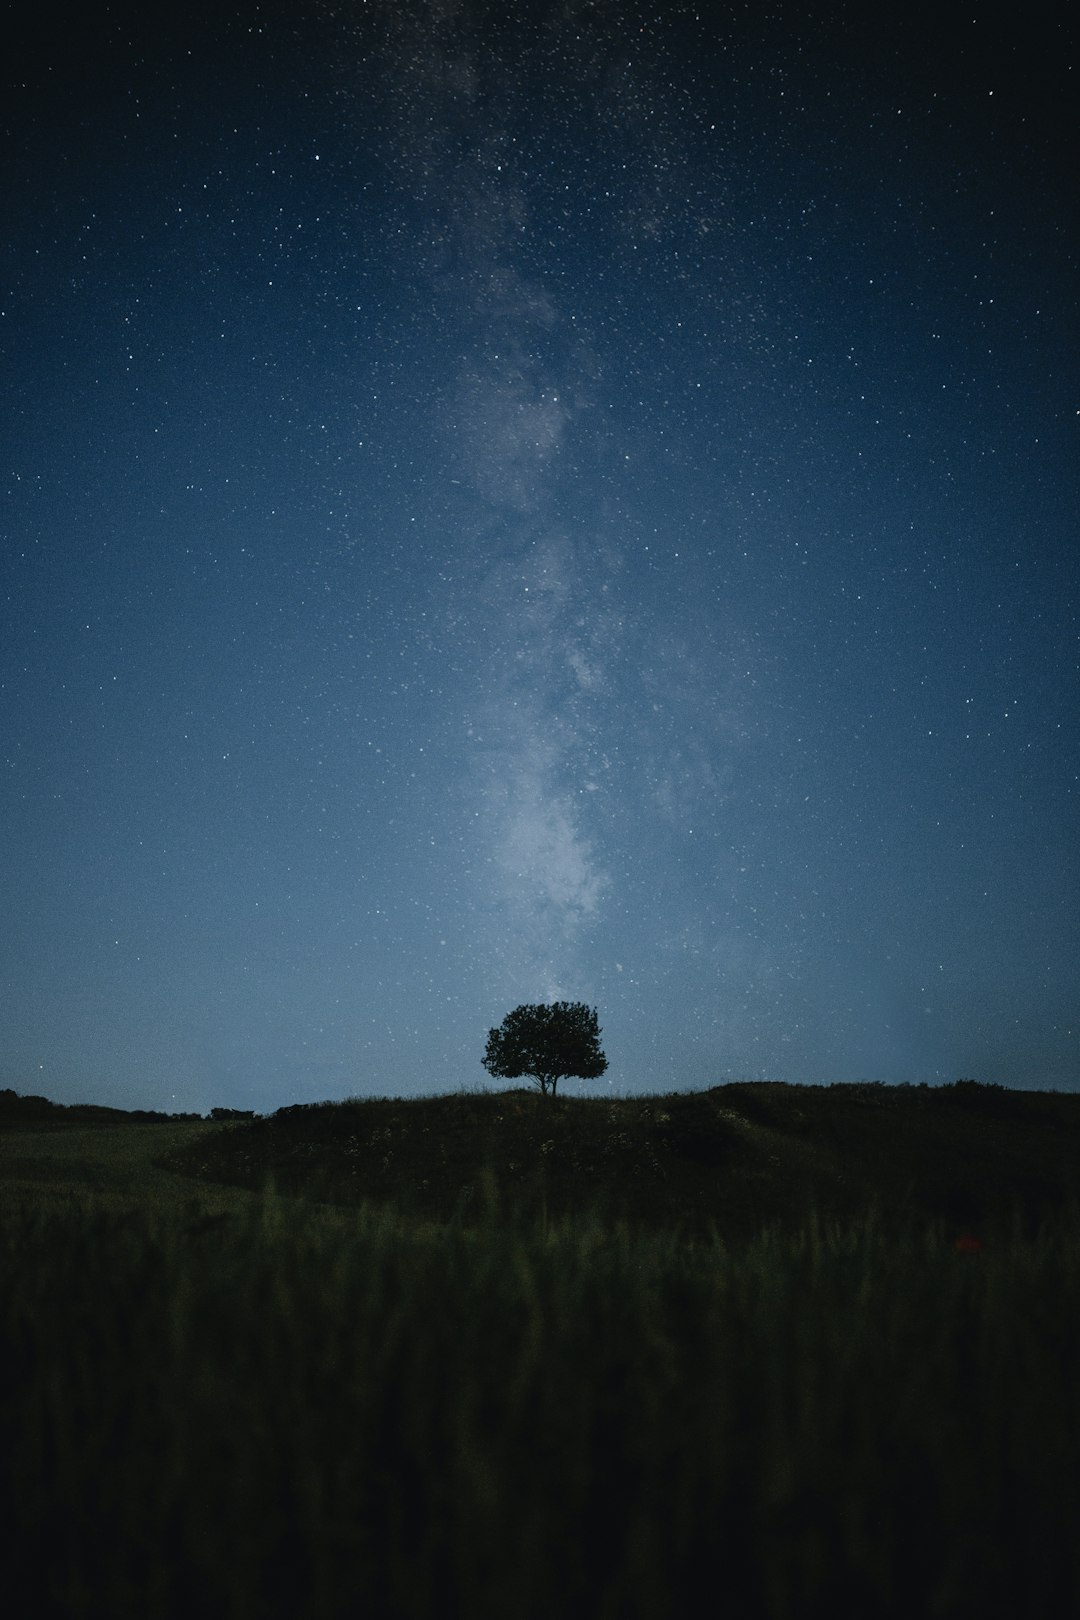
(33,1110)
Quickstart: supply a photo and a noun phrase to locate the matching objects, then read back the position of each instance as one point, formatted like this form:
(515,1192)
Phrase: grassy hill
(732,1159)
(233,1402)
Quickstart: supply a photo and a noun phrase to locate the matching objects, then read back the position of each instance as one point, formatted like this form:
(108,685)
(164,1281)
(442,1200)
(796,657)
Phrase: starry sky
(550,500)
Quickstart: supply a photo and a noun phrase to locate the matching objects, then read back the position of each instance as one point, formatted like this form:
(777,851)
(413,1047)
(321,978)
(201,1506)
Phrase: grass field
(231,1402)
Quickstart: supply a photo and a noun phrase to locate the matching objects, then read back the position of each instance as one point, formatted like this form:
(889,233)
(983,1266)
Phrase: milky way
(563,501)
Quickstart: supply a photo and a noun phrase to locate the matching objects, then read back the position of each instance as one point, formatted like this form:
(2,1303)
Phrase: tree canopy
(546,1041)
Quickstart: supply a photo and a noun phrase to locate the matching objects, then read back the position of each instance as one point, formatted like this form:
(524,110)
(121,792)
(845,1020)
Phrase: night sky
(506,502)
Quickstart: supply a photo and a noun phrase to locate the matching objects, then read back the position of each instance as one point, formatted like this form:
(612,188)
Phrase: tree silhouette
(546,1041)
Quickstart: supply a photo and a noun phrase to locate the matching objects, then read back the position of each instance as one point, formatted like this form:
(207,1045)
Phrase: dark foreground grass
(282,1413)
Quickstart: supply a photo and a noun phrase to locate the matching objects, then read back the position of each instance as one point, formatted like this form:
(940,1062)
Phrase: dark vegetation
(803,1352)
(548,1041)
(37,1113)
(729,1160)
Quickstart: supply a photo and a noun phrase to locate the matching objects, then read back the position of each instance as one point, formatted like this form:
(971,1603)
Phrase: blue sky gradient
(551,501)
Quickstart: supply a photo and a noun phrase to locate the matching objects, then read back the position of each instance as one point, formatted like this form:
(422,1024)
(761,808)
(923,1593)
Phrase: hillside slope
(735,1157)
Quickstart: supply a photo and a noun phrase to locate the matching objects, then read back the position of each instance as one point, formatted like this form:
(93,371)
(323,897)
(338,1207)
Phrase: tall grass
(278,1414)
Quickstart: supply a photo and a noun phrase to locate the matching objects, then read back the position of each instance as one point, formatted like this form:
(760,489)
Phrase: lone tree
(546,1042)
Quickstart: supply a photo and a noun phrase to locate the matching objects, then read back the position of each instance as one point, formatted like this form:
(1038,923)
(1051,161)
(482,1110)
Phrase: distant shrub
(986,1097)
(17,1109)
(971,1090)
